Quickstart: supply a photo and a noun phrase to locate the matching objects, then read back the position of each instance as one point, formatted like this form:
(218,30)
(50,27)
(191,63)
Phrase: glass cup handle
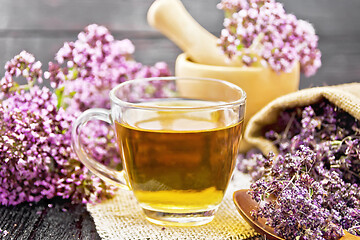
(109,175)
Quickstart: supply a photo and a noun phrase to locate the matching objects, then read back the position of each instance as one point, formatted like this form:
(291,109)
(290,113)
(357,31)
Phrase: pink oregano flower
(36,157)
(261,33)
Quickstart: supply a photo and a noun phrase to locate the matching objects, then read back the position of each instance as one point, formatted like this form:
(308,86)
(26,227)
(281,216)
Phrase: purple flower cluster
(92,65)
(23,65)
(35,152)
(261,33)
(328,130)
(35,123)
(84,73)
(315,178)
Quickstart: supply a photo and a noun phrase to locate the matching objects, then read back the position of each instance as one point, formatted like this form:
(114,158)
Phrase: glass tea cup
(178,139)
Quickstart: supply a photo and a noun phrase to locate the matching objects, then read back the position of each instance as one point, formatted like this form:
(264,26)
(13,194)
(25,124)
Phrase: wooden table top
(50,219)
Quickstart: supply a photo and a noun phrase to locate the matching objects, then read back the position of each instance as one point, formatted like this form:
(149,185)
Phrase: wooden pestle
(172,19)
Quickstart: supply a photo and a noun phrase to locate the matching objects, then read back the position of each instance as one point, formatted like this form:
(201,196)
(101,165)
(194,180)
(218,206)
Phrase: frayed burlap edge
(345,96)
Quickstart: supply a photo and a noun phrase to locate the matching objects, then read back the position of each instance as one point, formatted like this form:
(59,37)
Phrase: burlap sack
(345,96)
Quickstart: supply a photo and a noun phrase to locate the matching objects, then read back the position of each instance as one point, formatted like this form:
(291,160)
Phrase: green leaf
(72,94)
(267,195)
(14,87)
(74,74)
(59,92)
(336,142)
(311,192)
(232,29)
(240,47)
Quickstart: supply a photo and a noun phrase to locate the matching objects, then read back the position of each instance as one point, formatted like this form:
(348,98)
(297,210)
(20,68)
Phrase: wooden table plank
(51,219)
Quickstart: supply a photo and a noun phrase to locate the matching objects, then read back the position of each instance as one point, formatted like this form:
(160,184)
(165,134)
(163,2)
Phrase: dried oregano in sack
(310,162)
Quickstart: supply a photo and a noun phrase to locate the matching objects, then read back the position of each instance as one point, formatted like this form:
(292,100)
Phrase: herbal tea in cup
(178,139)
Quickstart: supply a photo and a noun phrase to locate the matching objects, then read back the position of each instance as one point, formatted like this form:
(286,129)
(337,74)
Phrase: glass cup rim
(118,101)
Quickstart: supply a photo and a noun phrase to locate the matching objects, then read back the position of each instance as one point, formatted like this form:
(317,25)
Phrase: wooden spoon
(245,204)
(172,19)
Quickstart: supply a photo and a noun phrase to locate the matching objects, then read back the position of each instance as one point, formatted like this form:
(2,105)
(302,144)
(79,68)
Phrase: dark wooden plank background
(41,27)
(54,219)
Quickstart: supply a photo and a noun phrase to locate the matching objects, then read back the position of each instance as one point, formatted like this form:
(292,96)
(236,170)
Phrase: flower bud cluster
(36,157)
(35,151)
(85,71)
(261,33)
(315,179)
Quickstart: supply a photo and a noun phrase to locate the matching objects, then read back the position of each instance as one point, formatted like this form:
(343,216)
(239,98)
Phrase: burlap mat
(345,96)
(122,218)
